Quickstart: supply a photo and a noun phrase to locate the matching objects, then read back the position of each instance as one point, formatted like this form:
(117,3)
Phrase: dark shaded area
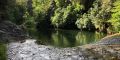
(11,32)
(88,4)
(29,7)
(3,5)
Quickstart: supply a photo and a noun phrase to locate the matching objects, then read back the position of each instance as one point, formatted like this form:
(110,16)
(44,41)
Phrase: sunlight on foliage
(66,15)
(97,17)
(115,20)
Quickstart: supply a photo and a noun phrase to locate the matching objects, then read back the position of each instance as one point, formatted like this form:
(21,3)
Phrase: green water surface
(66,38)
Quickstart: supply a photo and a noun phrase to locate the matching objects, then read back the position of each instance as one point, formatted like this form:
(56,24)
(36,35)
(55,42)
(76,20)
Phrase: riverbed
(59,45)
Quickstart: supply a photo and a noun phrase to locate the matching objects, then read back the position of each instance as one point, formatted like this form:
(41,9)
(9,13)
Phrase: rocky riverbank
(29,50)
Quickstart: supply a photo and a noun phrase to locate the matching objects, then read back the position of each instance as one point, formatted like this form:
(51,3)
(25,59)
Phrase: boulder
(10,31)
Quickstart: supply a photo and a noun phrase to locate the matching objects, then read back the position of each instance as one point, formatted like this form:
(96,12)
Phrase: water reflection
(66,38)
(88,37)
(63,38)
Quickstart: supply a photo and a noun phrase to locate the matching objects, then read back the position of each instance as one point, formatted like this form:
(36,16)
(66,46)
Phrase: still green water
(66,38)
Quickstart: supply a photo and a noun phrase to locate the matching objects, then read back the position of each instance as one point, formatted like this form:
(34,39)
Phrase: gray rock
(11,32)
(29,50)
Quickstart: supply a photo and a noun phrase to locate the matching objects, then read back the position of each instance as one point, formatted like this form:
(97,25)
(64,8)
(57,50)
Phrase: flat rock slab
(29,50)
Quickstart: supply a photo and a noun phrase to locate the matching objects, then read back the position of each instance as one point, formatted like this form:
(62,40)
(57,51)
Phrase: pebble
(29,50)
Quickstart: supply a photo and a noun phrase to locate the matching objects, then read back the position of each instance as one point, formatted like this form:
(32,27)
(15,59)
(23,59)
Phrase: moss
(3,55)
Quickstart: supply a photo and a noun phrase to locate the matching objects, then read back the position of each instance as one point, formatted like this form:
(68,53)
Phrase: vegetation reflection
(88,37)
(67,38)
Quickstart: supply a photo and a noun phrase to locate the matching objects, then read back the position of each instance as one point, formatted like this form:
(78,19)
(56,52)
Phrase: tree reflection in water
(88,37)
(67,38)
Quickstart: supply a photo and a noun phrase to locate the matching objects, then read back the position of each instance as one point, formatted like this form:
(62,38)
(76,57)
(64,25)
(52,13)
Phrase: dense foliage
(100,15)
(115,19)
(96,17)
(65,16)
